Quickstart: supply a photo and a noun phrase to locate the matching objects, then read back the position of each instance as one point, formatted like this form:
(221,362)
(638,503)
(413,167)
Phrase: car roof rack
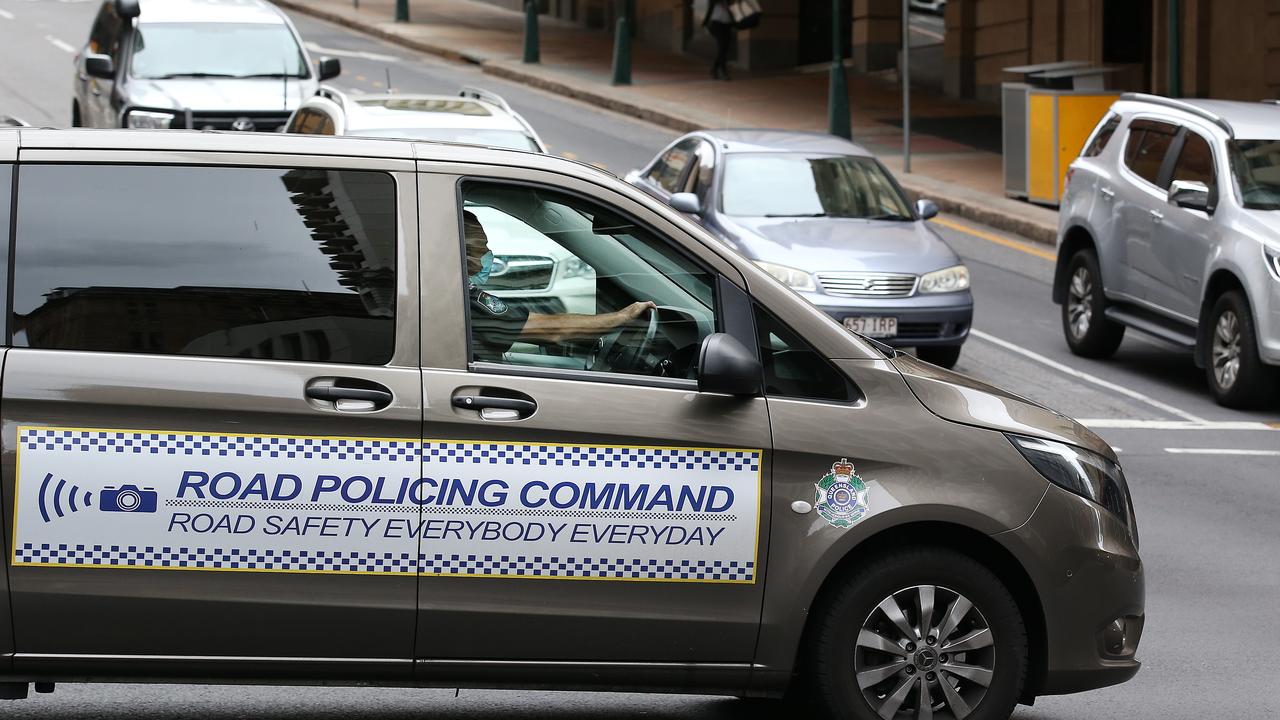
(474,93)
(11,121)
(1187,107)
(330,92)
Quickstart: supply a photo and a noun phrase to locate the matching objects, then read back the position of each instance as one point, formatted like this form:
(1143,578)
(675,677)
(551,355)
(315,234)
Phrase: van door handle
(496,408)
(1107,193)
(349,399)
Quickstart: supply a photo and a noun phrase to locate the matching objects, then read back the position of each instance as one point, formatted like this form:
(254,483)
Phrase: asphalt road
(1206,490)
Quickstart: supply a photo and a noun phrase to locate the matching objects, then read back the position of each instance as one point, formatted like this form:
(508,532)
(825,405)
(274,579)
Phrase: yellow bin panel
(1042,149)
(1078,115)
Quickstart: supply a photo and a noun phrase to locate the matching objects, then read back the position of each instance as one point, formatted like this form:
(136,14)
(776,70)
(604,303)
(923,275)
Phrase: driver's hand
(636,309)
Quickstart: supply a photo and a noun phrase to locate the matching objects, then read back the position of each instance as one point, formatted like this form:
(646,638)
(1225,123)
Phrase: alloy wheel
(1226,349)
(924,652)
(1079,303)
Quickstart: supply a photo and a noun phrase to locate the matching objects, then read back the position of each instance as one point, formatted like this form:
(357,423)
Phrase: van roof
(209,11)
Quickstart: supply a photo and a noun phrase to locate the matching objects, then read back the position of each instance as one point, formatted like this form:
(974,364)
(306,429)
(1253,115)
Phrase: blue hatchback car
(822,215)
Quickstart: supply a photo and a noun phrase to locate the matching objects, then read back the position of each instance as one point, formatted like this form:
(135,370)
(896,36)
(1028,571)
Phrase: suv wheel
(941,355)
(918,633)
(1237,376)
(1088,332)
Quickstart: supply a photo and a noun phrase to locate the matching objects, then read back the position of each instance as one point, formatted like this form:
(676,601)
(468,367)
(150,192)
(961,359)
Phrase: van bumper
(1089,579)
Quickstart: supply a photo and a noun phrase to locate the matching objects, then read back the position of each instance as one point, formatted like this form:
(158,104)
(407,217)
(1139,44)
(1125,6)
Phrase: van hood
(814,244)
(230,94)
(961,399)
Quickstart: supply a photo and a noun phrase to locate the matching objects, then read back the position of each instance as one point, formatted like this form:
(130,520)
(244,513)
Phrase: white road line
(64,47)
(1120,389)
(6,15)
(376,57)
(1222,451)
(1119,424)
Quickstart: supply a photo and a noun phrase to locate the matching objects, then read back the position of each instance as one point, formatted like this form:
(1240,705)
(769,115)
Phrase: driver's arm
(568,326)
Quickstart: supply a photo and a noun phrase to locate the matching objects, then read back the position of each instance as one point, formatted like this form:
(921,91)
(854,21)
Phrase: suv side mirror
(926,209)
(328,68)
(1190,194)
(725,366)
(99,66)
(685,202)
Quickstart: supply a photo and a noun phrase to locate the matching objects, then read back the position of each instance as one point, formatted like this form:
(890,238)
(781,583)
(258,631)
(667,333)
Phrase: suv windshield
(786,185)
(176,50)
(1255,164)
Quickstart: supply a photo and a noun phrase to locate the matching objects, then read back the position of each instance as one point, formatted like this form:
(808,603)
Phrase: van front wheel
(919,633)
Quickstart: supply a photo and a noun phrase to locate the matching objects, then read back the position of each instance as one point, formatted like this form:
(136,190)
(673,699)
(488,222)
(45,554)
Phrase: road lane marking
(375,57)
(64,47)
(1222,451)
(1067,370)
(1120,424)
(6,15)
(1025,247)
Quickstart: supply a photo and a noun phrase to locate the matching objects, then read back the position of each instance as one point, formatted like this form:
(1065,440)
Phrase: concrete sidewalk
(955,153)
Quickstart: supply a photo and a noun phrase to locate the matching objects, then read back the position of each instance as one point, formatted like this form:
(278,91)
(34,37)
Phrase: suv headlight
(952,279)
(1087,474)
(796,279)
(148,120)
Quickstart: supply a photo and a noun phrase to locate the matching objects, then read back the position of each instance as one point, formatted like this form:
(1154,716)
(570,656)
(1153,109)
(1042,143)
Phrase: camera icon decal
(127,498)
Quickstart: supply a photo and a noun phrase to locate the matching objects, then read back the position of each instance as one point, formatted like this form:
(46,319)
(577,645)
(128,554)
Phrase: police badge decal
(841,496)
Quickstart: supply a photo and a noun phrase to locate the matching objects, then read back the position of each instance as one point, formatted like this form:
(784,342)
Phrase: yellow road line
(1006,242)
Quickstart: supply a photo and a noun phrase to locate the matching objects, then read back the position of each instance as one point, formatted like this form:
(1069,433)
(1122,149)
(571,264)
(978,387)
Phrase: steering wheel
(627,359)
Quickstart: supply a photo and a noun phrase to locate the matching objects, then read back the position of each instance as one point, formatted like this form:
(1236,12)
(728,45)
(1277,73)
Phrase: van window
(276,264)
(794,369)
(1149,141)
(551,277)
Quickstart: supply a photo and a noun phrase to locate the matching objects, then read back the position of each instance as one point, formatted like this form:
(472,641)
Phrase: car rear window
(1149,141)
(269,263)
(1100,138)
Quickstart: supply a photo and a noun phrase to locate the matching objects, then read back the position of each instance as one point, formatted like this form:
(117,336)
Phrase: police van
(265,419)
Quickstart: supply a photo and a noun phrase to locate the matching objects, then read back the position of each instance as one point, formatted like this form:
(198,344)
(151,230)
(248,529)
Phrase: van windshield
(790,185)
(1255,164)
(204,50)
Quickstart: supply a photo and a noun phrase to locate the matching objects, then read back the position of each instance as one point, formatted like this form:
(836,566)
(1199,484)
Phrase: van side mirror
(685,202)
(725,366)
(99,66)
(328,68)
(926,208)
(1190,194)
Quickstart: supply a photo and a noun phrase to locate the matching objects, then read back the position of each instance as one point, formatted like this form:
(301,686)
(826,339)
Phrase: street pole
(838,121)
(402,10)
(1175,50)
(532,50)
(622,52)
(906,88)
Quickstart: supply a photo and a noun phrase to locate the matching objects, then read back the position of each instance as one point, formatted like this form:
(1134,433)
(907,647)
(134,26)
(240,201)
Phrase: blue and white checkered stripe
(257,446)
(321,561)
(526,566)
(199,558)
(144,443)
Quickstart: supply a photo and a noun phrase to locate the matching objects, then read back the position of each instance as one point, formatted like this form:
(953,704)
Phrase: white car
(473,116)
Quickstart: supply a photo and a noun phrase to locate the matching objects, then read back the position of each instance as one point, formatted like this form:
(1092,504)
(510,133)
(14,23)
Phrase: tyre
(1237,376)
(1088,332)
(871,656)
(941,355)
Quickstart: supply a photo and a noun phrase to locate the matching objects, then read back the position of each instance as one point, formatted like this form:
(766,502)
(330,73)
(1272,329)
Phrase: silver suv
(1169,226)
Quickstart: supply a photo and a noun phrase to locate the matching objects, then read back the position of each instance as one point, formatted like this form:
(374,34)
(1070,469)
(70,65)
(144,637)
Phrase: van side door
(618,530)
(213,378)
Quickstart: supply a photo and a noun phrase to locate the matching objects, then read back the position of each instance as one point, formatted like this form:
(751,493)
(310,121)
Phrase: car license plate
(876,327)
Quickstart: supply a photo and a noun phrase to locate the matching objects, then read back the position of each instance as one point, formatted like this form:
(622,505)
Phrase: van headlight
(1087,474)
(795,279)
(952,279)
(148,120)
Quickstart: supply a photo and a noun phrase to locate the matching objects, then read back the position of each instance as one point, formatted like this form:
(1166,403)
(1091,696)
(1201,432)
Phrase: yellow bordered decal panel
(157,500)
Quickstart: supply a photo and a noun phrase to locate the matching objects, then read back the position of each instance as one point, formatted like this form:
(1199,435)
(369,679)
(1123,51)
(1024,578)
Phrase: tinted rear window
(278,264)
(1144,153)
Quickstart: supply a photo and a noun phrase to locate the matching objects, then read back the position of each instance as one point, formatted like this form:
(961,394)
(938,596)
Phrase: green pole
(402,10)
(1175,50)
(532,51)
(838,120)
(622,52)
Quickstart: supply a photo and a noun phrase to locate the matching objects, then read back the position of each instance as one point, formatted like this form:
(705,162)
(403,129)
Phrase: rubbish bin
(1046,119)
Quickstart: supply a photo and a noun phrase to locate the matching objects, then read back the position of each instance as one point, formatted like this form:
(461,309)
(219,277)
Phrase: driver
(497,325)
